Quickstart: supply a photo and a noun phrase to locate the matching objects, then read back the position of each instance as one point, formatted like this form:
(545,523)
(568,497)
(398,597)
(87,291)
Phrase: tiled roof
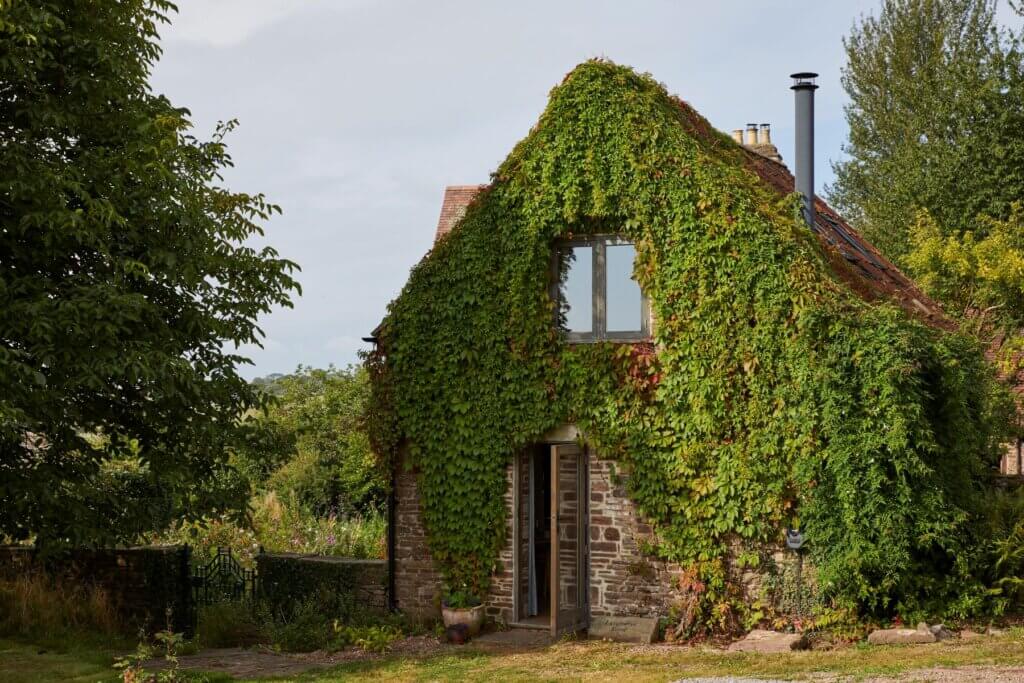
(854,260)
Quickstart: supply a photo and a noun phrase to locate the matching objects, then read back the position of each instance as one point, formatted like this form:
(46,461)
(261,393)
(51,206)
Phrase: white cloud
(223,23)
(346,344)
(269,344)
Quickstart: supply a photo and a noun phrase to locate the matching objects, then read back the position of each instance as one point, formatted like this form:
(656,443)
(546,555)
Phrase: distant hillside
(271,383)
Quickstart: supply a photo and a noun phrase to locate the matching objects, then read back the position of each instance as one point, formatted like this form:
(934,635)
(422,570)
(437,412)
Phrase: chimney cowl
(804,80)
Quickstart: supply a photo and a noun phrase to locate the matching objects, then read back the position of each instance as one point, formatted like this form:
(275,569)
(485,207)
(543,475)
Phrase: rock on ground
(760,640)
(901,636)
(643,630)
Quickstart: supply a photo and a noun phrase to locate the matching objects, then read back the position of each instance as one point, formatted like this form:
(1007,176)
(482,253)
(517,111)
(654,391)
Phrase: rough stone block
(900,636)
(624,629)
(761,640)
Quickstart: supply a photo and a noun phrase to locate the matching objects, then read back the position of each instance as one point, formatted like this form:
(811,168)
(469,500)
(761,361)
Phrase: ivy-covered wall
(771,396)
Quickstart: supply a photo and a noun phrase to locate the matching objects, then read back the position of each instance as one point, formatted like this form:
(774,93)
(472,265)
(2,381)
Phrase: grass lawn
(22,663)
(597,661)
(591,661)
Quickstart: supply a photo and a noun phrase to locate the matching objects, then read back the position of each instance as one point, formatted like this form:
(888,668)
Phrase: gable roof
(853,259)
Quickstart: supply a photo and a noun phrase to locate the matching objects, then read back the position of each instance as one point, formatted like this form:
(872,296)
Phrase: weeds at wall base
(54,614)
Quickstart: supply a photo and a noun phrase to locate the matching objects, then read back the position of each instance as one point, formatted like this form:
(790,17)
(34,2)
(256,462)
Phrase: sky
(355,114)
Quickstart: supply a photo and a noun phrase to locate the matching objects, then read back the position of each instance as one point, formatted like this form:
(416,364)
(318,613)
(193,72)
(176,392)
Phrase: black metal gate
(222,579)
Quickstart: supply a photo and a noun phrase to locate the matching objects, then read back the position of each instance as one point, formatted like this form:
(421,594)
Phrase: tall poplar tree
(936,115)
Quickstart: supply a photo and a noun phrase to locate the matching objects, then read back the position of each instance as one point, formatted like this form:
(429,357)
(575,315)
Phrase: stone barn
(576,552)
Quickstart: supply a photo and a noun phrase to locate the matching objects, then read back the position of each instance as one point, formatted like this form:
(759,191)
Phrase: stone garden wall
(141,582)
(337,586)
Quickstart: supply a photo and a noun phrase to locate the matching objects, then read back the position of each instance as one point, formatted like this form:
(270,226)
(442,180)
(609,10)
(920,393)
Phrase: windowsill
(637,339)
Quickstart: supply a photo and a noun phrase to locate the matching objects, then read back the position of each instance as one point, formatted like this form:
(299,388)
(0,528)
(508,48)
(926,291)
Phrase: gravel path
(966,674)
(730,680)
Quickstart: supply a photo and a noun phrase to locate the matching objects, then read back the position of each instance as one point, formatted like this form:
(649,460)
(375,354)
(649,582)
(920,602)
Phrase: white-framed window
(597,297)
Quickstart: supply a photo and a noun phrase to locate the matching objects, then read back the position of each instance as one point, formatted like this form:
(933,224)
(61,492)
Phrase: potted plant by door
(462,607)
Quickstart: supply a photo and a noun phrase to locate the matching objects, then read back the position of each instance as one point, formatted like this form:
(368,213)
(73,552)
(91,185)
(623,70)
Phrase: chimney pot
(737,135)
(766,134)
(751,133)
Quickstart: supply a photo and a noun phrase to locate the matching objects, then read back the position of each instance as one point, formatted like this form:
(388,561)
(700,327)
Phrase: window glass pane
(576,290)
(624,306)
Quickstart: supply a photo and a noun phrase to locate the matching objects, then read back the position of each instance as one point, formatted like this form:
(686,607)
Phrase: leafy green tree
(323,458)
(936,107)
(126,283)
(979,273)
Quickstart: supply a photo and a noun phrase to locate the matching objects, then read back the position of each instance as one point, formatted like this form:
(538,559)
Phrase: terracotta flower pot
(472,617)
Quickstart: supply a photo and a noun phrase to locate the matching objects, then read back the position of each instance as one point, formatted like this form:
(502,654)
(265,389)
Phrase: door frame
(583,535)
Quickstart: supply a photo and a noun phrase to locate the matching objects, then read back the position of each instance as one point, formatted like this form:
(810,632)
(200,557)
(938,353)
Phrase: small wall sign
(794,539)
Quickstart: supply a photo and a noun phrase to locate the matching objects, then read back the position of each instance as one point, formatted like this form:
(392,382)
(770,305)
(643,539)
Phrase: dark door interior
(539,560)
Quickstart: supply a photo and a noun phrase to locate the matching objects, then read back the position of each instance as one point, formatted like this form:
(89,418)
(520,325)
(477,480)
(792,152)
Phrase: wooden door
(569,540)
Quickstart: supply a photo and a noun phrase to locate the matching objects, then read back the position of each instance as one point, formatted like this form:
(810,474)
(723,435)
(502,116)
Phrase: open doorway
(551,534)
(538,542)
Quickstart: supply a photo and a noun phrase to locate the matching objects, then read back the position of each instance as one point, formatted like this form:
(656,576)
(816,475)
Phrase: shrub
(372,638)
(228,625)
(1002,564)
(303,628)
(207,535)
(170,643)
(285,526)
(321,456)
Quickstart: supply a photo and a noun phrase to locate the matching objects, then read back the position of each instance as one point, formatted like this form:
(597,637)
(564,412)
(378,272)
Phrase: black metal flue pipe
(803,88)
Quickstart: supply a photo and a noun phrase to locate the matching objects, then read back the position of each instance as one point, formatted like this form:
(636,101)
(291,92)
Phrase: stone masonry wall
(623,581)
(417,581)
(341,586)
(499,599)
(626,582)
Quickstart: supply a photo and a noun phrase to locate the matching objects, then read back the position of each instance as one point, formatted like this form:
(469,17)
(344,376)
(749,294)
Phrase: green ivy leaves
(770,390)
